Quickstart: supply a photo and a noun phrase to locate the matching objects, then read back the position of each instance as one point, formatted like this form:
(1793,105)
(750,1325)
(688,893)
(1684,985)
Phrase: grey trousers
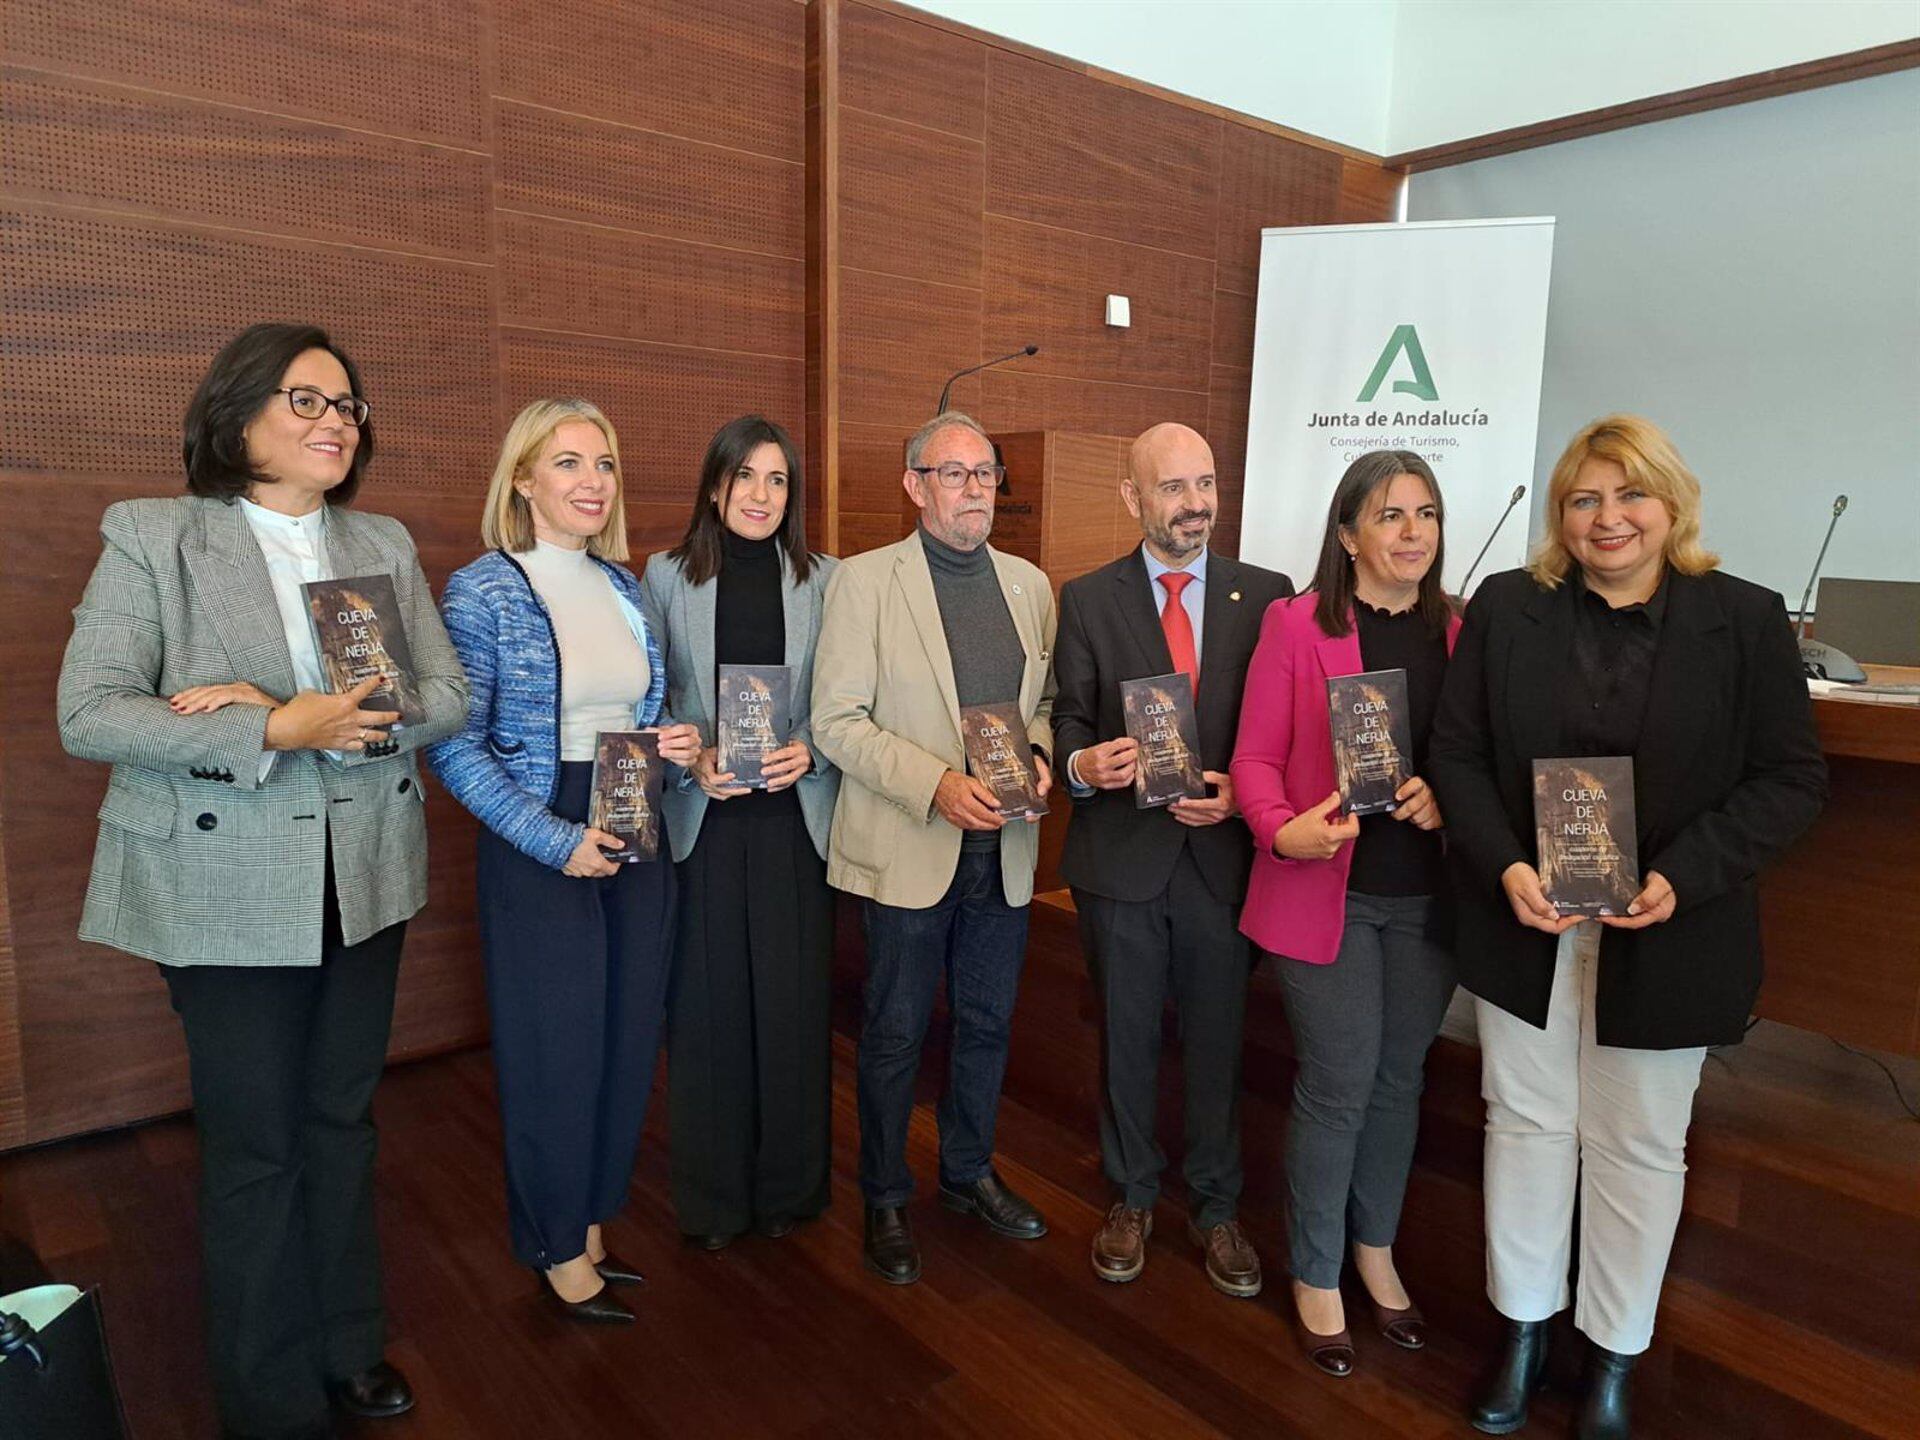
(1361,1030)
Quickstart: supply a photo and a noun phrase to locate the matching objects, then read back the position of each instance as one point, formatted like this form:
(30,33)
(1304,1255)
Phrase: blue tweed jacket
(504,764)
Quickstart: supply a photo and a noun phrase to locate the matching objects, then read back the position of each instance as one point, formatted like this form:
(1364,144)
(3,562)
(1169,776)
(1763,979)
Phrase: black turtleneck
(749,628)
(1393,857)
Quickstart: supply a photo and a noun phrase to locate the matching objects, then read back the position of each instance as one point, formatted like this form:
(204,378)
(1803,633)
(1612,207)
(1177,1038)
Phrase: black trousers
(577,983)
(284,1060)
(749,1028)
(1186,942)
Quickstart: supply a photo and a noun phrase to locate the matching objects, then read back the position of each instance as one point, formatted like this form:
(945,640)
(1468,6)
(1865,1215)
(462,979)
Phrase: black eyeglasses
(310,404)
(953,474)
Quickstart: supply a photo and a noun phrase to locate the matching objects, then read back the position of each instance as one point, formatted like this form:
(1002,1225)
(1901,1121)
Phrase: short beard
(1168,539)
(956,539)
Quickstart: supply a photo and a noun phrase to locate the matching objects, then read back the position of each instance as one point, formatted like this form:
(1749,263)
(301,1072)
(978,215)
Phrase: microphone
(1820,661)
(983,365)
(1512,500)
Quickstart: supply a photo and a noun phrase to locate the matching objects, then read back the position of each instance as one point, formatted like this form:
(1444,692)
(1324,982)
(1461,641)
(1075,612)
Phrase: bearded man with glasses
(913,632)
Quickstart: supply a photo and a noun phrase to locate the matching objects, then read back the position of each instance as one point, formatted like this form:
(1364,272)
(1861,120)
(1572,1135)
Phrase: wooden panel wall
(485,202)
(984,196)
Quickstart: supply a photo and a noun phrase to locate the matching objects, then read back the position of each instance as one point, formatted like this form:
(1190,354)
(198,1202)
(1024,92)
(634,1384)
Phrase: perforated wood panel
(171,171)
(1267,180)
(399,69)
(1048,287)
(910,200)
(900,341)
(893,65)
(1077,152)
(586,169)
(113,323)
(726,71)
(560,275)
(85,143)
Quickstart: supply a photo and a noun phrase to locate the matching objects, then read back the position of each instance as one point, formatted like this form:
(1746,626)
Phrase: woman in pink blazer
(1353,909)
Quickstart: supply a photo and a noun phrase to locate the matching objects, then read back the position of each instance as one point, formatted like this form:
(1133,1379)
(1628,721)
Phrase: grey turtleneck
(988,658)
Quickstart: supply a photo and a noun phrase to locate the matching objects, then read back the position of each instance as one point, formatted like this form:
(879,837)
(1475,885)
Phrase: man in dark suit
(1158,891)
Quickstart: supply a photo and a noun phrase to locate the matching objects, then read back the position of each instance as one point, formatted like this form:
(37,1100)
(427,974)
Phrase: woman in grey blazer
(265,842)
(748,1043)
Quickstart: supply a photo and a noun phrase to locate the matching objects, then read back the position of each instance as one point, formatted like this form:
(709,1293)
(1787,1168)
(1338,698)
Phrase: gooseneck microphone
(1819,661)
(947,390)
(1512,500)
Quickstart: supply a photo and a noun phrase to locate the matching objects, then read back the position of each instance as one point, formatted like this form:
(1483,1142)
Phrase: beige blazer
(886,712)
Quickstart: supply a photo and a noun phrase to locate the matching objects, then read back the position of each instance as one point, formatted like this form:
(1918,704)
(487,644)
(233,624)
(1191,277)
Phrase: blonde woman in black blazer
(1620,638)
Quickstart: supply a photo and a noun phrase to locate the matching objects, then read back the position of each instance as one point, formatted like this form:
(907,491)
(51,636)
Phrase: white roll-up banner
(1421,337)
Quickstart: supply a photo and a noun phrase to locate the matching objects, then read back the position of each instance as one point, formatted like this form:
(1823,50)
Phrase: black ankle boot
(1500,1404)
(1605,1411)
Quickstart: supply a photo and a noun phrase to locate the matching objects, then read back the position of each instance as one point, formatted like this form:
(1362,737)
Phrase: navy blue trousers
(974,940)
(577,983)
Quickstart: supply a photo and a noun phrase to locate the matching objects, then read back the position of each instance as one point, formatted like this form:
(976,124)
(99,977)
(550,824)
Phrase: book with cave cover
(1372,739)
(756,711)
(1161,720)
(626,792)
(1583,824)
(1001,757)
(358,632)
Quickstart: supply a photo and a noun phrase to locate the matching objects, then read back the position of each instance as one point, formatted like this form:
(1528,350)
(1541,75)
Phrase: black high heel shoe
(615,1271)
(599,1308)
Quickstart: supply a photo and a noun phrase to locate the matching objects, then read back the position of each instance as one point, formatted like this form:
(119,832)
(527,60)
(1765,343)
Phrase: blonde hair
(507,522)
(1642,449)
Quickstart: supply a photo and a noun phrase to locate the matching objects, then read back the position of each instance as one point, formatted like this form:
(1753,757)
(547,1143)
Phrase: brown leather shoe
(1232,1265)
(1120,1247)
(1406,1328)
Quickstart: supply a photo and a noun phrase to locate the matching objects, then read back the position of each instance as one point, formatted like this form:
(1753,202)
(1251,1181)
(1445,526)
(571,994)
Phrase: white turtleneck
(603,667)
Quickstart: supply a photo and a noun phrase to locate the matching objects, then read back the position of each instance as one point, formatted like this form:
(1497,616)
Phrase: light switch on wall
(1119,312)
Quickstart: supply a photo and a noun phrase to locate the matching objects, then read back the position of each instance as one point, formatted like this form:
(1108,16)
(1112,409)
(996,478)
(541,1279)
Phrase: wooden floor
(1793,1310)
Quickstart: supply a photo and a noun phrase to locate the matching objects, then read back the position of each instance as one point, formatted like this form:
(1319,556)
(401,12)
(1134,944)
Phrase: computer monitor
(1877,622)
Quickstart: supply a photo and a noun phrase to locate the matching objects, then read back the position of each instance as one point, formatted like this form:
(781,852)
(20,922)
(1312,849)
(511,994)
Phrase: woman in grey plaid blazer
(265,842)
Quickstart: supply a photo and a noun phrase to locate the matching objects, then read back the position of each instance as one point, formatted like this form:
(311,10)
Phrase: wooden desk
(1842,911)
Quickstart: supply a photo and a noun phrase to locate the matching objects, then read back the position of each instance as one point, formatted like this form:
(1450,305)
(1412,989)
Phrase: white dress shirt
(1193,597)
(295,549)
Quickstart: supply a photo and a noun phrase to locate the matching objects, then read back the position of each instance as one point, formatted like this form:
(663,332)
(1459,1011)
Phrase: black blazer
(1109,632)
(1727,775)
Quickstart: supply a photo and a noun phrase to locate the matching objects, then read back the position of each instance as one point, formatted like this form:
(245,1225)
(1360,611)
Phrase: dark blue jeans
(978,941)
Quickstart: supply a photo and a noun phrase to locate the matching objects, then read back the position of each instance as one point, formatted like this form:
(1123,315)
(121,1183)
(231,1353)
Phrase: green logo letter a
(1420,386)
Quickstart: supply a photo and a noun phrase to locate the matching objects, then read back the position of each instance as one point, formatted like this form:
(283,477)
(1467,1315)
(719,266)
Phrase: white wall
(1322,66)
(1750,279)
(1388,76)
(1471,67)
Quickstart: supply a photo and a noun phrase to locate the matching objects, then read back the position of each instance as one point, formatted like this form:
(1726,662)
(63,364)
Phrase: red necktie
(1177,627)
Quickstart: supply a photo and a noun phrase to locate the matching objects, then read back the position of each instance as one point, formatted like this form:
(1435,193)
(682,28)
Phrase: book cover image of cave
(358,632)
(756,712)
(1372,739)
(1160,718)
(1583,824)
(1001,757)
(626,792)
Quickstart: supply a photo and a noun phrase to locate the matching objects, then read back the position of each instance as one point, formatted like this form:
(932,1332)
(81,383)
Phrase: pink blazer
(1282,765)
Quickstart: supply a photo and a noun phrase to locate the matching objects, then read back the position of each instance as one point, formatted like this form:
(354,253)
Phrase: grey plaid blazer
(198,862)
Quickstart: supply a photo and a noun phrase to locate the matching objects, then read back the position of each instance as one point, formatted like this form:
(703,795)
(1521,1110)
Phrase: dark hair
(701,549)
(1333,582)
(241,381)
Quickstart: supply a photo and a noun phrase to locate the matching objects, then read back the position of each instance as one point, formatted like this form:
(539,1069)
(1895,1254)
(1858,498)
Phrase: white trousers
(1564,1111)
